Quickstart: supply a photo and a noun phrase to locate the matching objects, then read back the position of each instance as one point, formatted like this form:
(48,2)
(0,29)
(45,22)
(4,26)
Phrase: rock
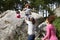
(57,12)
(12,28)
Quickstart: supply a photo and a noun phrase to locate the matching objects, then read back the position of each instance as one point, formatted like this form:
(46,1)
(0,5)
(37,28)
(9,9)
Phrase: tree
(9,4)
(43,3)
(36,3)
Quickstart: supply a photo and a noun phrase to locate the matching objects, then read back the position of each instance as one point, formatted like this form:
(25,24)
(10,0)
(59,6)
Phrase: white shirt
(31,27)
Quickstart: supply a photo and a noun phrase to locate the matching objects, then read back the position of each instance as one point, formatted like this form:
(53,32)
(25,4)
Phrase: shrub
(57,25)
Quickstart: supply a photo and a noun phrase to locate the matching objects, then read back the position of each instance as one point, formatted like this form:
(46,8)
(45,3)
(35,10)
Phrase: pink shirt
(50,32)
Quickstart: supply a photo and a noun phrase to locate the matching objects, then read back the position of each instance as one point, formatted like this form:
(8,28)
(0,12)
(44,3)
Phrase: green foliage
(57,25)
(43,3)
(8,4)
(36,3)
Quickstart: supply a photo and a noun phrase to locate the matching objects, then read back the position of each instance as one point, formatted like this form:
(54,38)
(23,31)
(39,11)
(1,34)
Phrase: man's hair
(32,20)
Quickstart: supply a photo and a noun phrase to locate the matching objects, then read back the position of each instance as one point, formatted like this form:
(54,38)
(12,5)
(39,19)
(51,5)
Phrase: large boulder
(12,28)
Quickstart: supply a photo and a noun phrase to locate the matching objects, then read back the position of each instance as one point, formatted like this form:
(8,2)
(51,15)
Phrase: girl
(50,29)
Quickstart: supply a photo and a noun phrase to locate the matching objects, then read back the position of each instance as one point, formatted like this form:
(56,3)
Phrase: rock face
(57,11)
(12,28)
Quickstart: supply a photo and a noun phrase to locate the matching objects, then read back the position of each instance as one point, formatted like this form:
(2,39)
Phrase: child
(27,10)
(50,29)
(18,14)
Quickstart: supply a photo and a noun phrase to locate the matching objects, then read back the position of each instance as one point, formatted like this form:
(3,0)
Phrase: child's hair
(32,20)
(27,5)
(51,18)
